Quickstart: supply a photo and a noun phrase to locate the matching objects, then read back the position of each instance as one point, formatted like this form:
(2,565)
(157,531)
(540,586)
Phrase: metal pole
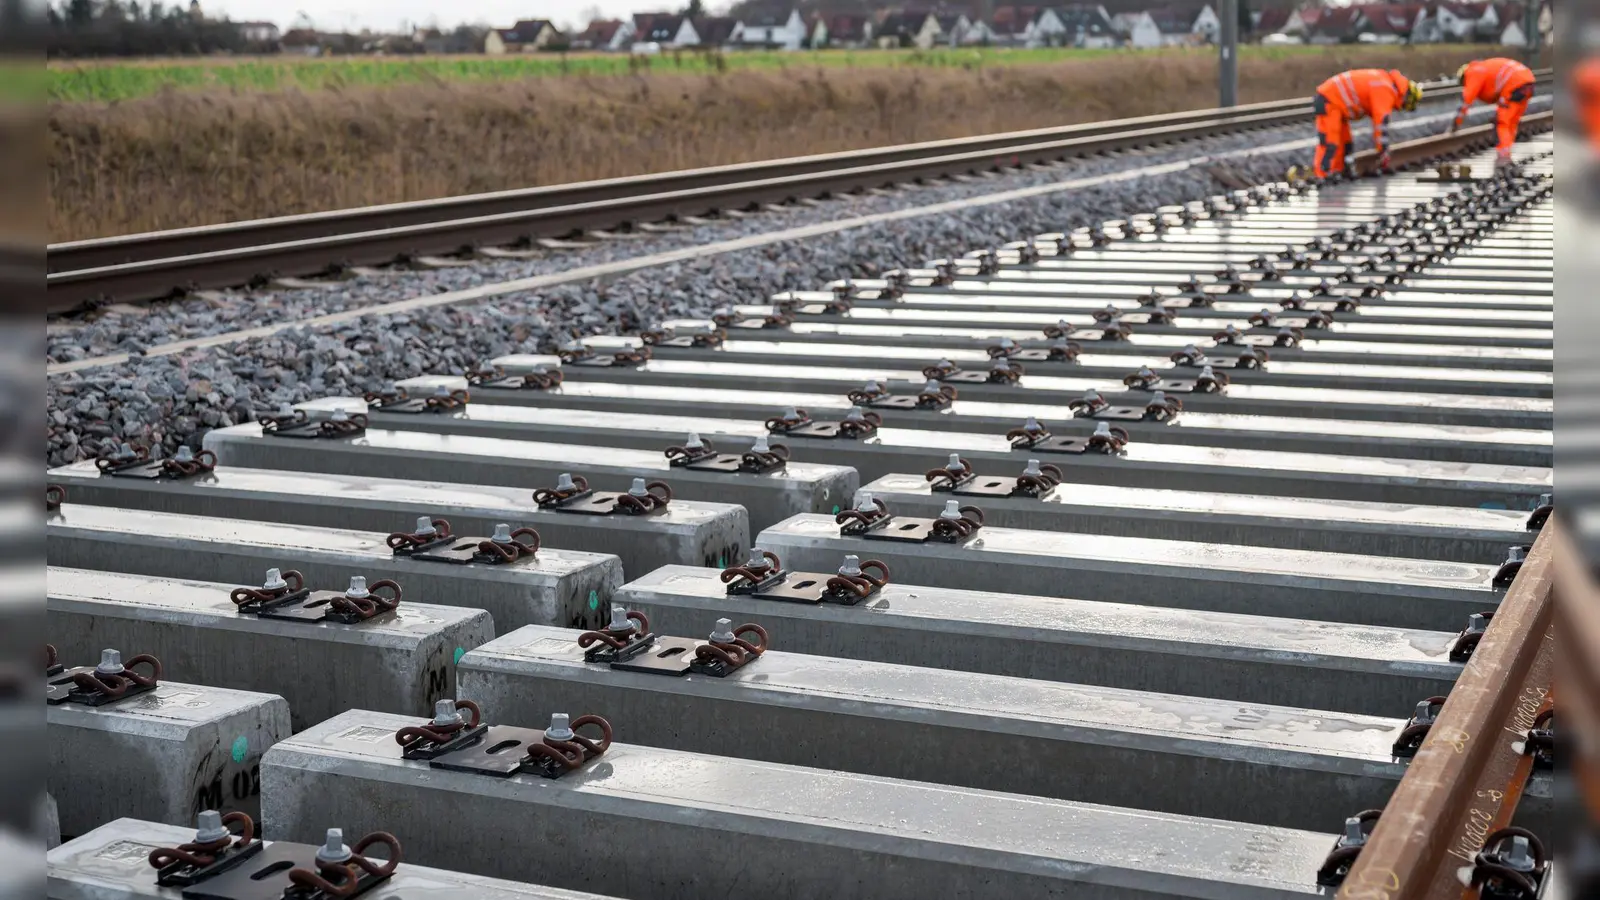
(1229,47)
(1530,28)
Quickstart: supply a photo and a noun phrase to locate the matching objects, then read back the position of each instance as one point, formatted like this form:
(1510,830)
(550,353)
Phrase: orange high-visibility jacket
(1363,93)
(1493,80)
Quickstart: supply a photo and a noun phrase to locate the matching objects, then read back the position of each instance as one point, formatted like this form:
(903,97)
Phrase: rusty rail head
(1421,149)
(1409,854)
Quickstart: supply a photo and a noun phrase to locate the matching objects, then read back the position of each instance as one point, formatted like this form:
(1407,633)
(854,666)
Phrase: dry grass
(193,158)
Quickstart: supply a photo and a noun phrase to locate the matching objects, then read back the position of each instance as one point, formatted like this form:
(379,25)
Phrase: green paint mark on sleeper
(460,652)
(594,599)
(241,747)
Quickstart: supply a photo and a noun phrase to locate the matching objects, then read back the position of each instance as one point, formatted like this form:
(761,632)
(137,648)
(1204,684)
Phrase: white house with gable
(784,32)
(1138,29)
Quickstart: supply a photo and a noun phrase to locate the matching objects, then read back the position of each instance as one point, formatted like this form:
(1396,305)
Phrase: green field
(105,81)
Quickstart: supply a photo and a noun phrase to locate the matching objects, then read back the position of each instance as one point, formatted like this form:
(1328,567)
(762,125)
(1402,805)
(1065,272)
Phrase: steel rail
(337,242)
(1466,779)
(101,252)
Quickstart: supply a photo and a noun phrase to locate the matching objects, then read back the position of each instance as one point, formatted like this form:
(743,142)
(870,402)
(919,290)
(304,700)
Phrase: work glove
(1385,163)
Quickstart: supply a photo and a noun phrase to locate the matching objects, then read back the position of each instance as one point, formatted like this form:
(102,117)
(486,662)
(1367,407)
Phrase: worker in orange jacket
(1358,94)
(1585,88)
(1504,82)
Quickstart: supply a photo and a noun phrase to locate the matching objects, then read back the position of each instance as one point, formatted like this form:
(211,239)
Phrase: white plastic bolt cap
(694,442)
(110,662)
(1091,396)
(425,526)
(865,504)
(285,410)
(573,344)
(855,415)
(1146,372)
(1285,331)
(852,565)
(1064,325)
(1103,430)
(1159,397)
(209,827)
(560,727)
(184,454)
(358,587)
(445,713)
(637,488)
(274,581)
(1033,468)
(340,415)
(945,364)
(333,848)
(1206,373)
(1001,364)
(955,464)
(564,482)
(932,386)
(1191,350)
(502,533)
(619,619)
(952,510)
(1008,343)
(790,412)
(762,445)
(723,632)
(125,451)
(1032,425)
(873,387)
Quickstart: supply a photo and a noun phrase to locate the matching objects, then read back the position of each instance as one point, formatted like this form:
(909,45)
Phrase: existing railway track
(156,265)
(1080,642)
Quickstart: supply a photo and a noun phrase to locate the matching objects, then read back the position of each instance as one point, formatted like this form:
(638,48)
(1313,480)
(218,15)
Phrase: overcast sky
(386,15)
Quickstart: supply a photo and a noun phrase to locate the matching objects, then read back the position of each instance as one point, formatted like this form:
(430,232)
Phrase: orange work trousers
(1334,140)
(1508,115)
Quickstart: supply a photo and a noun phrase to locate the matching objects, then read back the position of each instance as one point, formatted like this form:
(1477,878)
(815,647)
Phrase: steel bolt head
(1147,372)
(864,503)
(852,565)
(425,526)
(1516,553)
(1159,398)
(1477,624)
(1518,856)
(358,587)
(502,533)
(1033,469)
(445,713)
(1424,713)
(125,451)
(285,410)
(1001,364)
(333,848)
(952,510)
(209,827)
(1007,343)
(954,464)
(756,559)
(564,482)
(762,445)
(1547,499)
(723,632)
(1032,425)
(110,662)
(619,619)
(1065,326)
(637,488)
(945,364)
(1354,835)
(1191,350)
(560,727)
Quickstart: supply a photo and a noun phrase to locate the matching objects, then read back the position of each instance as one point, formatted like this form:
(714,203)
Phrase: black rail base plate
(717,463)
(666,656)
(267,877)
(810,588)
(60,689)
(498,751)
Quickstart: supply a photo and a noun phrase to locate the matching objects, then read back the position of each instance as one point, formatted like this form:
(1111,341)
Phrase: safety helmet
(1411,95)
(1461,73)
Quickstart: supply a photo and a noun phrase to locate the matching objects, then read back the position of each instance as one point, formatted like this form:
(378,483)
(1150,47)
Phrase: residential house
(1338,25)
(1137,29)
(257,32)
(1187,25)
(1015,26)
(907,29)
(1077,25)
(608,35)
(978,34)
(301,42)
(841,30)
(1461,22)
(782,31)
(1273,20)
(1513,24)
(1547,23)
(527,36)
(1391,23)
(665,29)
(717,31)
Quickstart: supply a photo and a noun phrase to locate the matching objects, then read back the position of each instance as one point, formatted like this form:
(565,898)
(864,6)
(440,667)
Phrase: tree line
(86,28)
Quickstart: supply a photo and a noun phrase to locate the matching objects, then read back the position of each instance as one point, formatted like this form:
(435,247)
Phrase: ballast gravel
(162,402)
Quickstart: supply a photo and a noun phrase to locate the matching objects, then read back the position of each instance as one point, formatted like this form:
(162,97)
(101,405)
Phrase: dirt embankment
(183,159)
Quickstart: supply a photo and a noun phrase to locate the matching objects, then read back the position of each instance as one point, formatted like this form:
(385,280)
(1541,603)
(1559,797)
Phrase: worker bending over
(1358,94)
(1504,82)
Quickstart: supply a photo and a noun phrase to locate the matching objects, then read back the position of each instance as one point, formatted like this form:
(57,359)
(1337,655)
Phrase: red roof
(1340,21)
(847,27)
(1273,19)
(1012,19)
(1467,10)
(600,31)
